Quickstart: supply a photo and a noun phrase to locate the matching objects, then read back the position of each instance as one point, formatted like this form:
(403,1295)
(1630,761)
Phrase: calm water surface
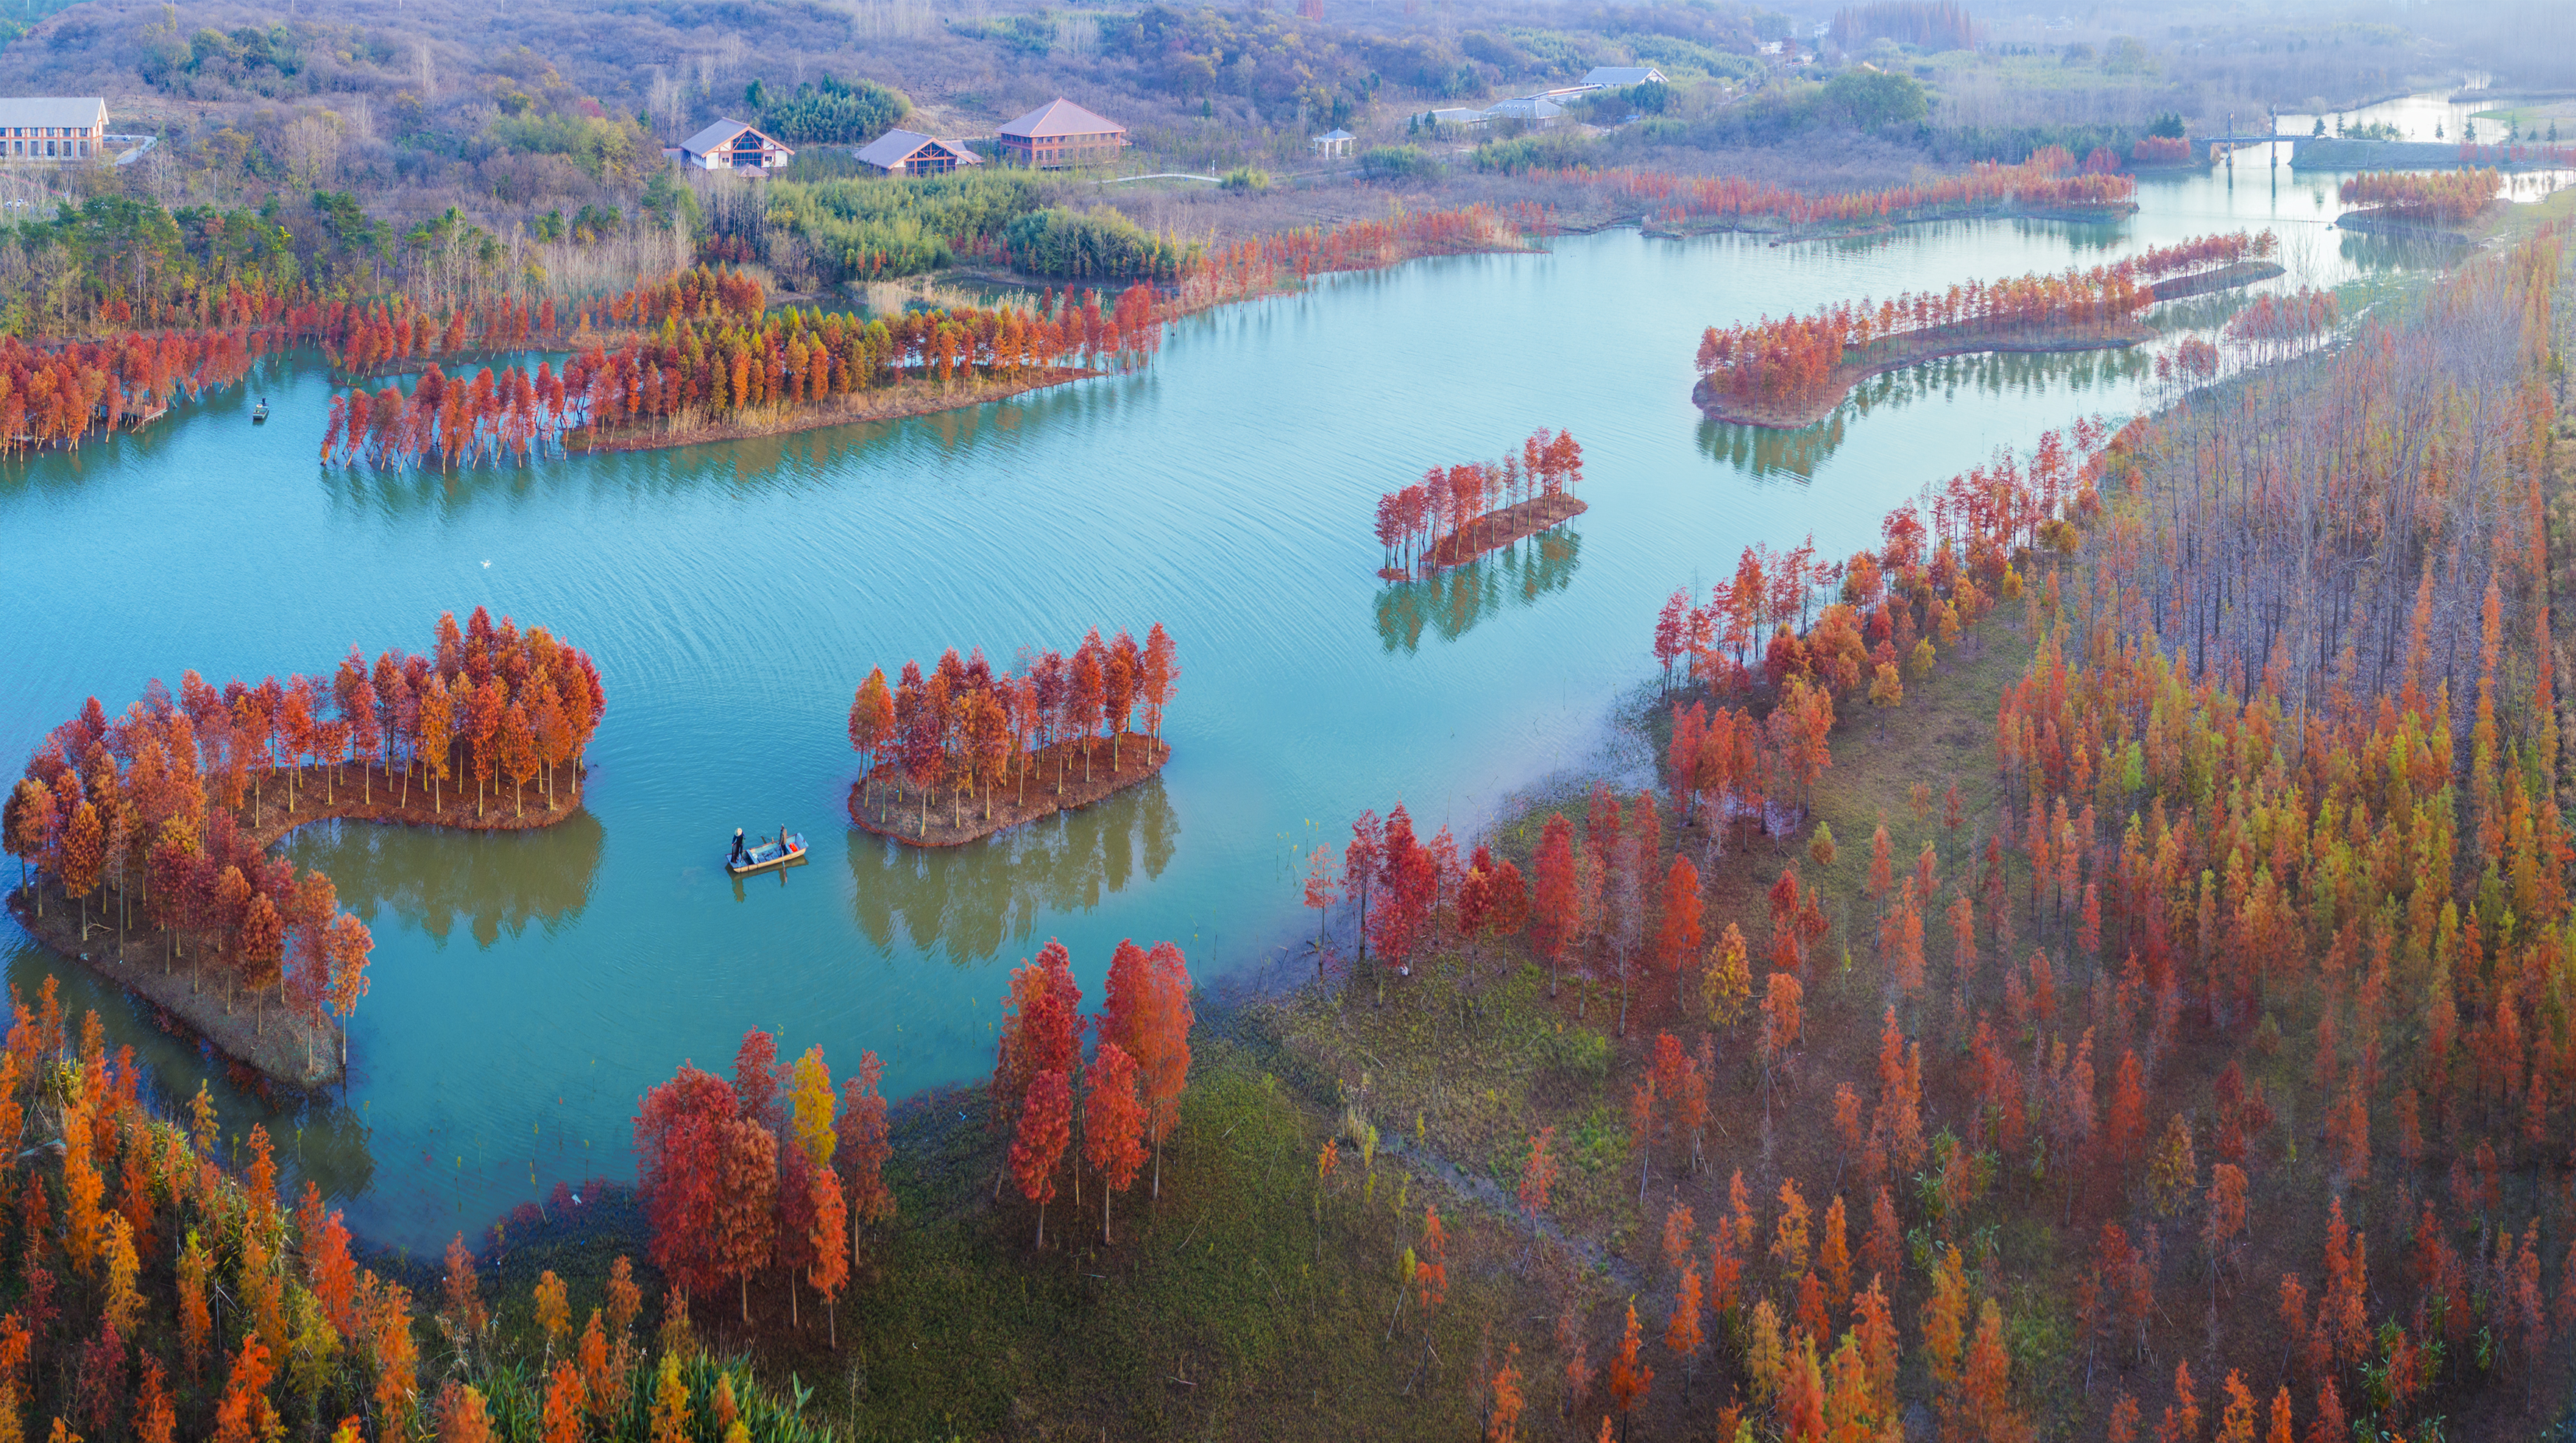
(527,988)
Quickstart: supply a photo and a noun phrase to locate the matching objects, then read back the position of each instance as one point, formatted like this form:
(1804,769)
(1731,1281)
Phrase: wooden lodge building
(733,145)
(909,152)
(38,129)
(1061,134)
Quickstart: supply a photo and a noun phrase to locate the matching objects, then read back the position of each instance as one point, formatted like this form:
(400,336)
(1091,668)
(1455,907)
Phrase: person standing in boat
(737,848)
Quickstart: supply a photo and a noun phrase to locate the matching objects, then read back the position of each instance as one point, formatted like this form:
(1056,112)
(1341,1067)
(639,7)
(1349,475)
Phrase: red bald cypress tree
(1046,1123)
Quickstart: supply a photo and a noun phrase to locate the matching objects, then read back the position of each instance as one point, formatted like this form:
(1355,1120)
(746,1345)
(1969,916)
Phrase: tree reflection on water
(1451,602)
(970,900)
(1764,451)
(431,877)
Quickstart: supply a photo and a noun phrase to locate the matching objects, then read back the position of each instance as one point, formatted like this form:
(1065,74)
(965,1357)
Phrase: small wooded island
(148,834)
(1791,373)
(966,752)
(1442,520)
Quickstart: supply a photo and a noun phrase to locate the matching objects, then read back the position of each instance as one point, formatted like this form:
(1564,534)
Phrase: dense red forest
(361,337)
(2235,1096)
(967,727)
(2259,969)
(2296,827)
(2450,196)
(1461,501)
(2160,150)
(710,360)
(168,804)
(1769,360)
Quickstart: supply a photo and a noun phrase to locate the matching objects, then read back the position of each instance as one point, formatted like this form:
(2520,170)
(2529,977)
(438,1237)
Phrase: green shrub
(1397,162)
(837,112)
(1580,1053)
(1876,99)
(1246,178)
(606,149)
(1547,150)
(1101,242)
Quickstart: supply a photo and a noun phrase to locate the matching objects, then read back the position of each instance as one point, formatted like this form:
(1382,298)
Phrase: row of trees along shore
(707,368)
(2518,153)
(1750,748)
(1452,501)
(965,726)
(160,1291)
(1263,265)
(2290,839)
(362,337)
(56,396)
(2047,181)
(2449,196)
(173,796)
(1944,560)
(1773,359)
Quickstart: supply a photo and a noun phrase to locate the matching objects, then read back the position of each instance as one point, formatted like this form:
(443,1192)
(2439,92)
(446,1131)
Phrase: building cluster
(1058,135)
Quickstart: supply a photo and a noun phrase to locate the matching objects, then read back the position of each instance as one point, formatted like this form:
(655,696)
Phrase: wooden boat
(259,413)
(770,854)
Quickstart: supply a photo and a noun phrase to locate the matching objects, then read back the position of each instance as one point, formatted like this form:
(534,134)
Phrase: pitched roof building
(909,152)
(57,128)
(1620,77)
(733,145)
(1059,134)
(1538,110)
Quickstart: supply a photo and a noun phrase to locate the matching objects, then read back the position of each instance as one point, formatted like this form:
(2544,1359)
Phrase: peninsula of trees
(1007,748)
(713,364)
(162,818)
(1790,373)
